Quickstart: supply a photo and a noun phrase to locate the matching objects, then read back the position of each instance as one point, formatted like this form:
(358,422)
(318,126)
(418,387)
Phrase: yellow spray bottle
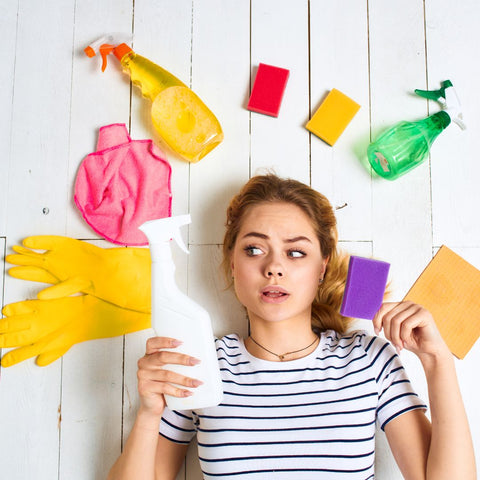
(184,123)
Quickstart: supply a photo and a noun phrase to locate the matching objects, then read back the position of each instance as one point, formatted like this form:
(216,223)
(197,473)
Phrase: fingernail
(194,361)
(376,330)
(175,343)
(196,383)
(398,349)
(187,393)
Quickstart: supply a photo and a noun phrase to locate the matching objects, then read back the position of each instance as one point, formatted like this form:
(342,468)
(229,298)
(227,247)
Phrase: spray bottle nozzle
(448,99)
(163,230)
(106,45)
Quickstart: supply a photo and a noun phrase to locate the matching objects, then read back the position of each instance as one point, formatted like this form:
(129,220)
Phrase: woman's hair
(270,188)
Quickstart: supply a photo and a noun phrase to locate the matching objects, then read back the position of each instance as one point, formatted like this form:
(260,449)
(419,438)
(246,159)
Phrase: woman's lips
(274,294)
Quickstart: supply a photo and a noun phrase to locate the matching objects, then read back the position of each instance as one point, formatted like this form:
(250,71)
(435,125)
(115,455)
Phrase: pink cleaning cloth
(122,185)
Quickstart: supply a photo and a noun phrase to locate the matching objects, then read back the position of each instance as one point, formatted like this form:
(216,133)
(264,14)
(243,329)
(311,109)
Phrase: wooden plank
(40,120)
(98,98)
(467,369)
(163,35)
(339,59)
(92,372)
(30,395)
(220,76)
(452,38)
(3,269)
(401,210)
(8,27)
(207,286)
(280,38)
(91,409)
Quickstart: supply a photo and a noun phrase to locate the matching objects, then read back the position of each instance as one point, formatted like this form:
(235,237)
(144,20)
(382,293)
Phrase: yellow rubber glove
(117,275)
(48,328)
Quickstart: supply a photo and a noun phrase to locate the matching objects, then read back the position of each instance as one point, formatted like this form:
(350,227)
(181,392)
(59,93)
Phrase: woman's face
(277,263)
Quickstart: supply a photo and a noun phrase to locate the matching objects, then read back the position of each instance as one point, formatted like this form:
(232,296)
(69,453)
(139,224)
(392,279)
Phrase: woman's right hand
(154,381)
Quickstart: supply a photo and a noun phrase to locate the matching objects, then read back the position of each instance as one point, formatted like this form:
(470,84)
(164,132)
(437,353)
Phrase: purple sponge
(365,287)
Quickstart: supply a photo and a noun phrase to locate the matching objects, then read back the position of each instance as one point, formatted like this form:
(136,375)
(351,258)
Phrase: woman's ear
(325,263)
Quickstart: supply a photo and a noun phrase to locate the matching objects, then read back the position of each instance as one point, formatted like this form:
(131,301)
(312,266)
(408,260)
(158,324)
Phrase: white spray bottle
(176,315)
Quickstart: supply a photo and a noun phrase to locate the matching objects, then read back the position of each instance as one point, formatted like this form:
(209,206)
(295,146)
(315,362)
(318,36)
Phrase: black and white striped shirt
(311,418)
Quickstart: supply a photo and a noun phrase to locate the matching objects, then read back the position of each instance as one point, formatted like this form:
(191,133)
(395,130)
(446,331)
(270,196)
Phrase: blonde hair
(271,188)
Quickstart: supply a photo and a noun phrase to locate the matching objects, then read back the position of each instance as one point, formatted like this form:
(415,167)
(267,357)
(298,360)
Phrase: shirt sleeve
(395,392)
(178,427)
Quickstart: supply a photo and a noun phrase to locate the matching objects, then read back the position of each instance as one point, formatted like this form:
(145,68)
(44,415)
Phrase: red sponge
(268,88)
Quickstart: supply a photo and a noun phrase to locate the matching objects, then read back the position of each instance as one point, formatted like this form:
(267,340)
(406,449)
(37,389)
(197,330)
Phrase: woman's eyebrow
(287,240)
(256,235)
(298,239)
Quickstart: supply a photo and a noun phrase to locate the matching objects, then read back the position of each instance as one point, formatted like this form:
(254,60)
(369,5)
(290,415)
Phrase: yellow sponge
(333,116)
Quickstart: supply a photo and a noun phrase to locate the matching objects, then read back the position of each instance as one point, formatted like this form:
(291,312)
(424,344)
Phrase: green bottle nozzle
(448,99)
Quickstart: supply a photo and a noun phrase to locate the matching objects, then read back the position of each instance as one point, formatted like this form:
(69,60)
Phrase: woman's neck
(281,342)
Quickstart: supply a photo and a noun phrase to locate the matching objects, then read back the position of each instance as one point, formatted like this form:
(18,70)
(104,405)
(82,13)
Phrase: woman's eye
(252,251)
(296,253)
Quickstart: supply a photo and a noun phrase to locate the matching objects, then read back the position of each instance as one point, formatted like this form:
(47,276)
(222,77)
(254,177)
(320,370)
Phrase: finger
(47,358)
(32,273)
(16,323)
(167,376)
(396,317)
(17,339)
(25,251)
(47,242)
(50,343)
(65,288)
(402,319)
(20,354)
(32,258)
(148,388)
(19,308)
(154,344)
(164,357)
(378,319)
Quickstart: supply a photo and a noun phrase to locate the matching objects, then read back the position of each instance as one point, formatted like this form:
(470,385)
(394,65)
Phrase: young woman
(302,397)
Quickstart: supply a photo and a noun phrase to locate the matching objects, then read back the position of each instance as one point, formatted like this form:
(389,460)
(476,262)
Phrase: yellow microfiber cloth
(449,287)
(333,116)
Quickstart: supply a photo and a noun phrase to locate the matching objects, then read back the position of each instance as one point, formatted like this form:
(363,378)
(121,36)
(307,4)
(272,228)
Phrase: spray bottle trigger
(105,50)
(181,220)
(178,238)
(438,95)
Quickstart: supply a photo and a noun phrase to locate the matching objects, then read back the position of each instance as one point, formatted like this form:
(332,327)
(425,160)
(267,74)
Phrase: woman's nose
(274,273)
(274,268)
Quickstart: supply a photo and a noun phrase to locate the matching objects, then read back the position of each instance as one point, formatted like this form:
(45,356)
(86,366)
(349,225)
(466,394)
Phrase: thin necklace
(283,355)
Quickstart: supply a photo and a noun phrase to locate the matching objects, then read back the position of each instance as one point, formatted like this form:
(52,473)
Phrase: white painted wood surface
(69,420)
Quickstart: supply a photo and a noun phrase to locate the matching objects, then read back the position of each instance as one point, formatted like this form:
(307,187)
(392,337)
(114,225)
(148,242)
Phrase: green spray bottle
(407,144)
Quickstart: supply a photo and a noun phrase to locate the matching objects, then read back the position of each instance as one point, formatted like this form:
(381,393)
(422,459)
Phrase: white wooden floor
(68,420)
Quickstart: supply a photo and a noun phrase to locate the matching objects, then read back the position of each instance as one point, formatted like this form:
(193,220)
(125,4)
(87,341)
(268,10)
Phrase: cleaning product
(407,144)
(123,184)
(177,316)
(183,121)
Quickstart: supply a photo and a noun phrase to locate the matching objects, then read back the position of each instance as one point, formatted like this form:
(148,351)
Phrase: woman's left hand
(411,326)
